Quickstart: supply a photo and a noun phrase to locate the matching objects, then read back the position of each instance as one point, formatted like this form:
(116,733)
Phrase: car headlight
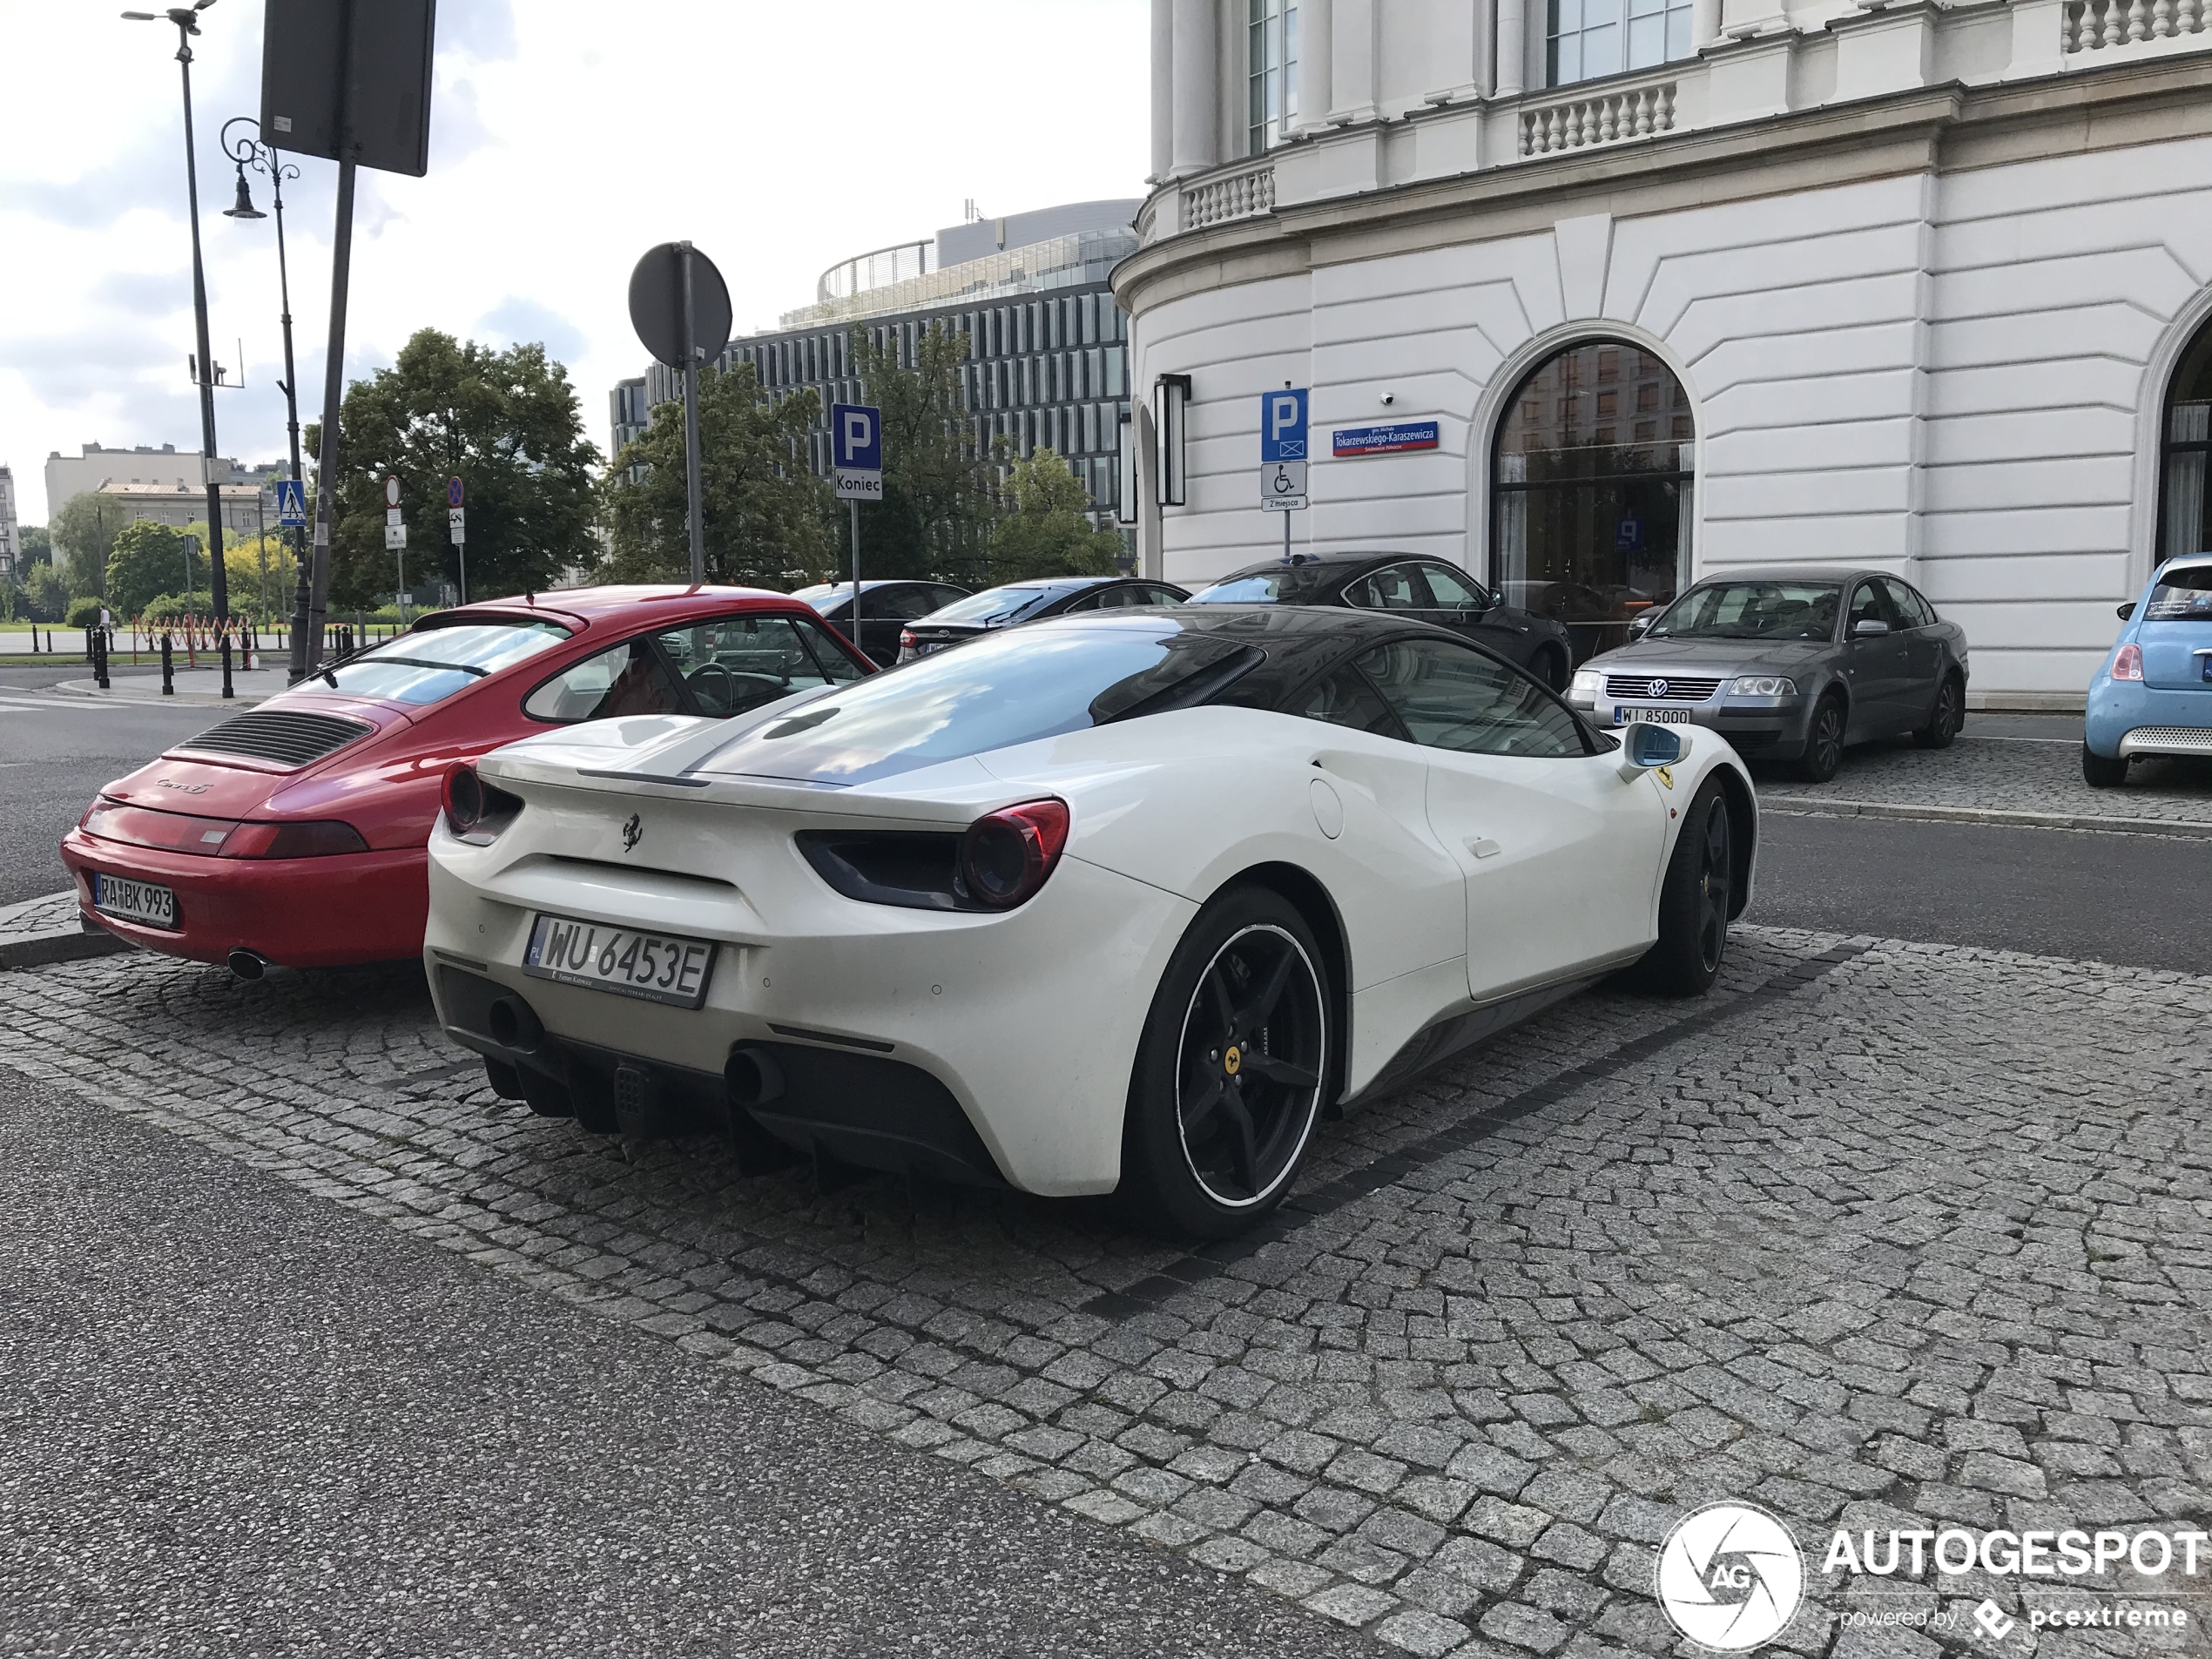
(1586,681)
(1763,686)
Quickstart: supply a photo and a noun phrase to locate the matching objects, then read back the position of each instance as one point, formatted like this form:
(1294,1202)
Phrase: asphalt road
(239,1419)
(55,753)
(2086,896)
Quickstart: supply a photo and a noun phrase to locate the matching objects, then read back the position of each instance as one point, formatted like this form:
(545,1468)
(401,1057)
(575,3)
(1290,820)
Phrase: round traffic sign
(391,492)
(453,492)
(656,303)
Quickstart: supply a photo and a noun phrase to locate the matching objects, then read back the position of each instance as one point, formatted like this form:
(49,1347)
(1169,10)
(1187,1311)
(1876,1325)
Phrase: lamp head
(244,207)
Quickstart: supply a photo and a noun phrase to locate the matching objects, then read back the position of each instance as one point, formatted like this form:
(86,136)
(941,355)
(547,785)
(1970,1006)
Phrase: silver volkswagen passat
(1790,663)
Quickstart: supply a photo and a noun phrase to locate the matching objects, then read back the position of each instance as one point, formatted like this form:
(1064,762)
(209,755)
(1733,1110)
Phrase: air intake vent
(289,737)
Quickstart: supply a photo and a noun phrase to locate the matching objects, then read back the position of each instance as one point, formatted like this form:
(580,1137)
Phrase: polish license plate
(1657,717)
(139,901)
(652,966)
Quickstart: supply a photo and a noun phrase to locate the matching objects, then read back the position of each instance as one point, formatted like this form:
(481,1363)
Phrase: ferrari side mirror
(1645,745)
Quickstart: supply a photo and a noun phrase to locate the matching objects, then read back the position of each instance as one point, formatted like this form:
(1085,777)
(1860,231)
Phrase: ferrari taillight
(476,811)
(1006,857)
(906,640)
(2128,662)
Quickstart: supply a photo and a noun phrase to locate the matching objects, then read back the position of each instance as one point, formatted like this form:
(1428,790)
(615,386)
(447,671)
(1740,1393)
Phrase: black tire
(1551,668)
(1944,720)
(1694,902)
(2100,772)
(1232,1068)
(1823,741)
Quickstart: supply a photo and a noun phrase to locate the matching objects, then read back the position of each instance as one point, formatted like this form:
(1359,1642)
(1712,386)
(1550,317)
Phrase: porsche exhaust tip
(248,965)
(752,1076)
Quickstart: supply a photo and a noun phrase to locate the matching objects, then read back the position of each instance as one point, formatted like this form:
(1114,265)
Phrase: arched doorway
(2184,525)
(1590,494)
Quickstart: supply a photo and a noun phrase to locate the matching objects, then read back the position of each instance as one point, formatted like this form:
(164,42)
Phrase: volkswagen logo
(630,832)
(1658,688)
(1730,1577)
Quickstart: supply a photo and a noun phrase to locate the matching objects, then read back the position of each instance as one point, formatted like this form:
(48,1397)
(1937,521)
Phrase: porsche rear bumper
(297,912)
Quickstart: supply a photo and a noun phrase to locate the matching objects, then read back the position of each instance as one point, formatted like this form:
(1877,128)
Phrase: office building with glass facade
(1047,363)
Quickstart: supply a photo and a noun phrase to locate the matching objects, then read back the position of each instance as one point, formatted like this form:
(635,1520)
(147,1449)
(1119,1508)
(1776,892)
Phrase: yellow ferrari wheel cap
(1231,1060)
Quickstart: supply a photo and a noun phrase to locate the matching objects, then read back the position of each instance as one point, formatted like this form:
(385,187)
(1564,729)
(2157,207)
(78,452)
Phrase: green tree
(1047,532)
(761,508)
(37,543)
(149,559)
(508,425)
(939,493)
(45,594)
(85,529)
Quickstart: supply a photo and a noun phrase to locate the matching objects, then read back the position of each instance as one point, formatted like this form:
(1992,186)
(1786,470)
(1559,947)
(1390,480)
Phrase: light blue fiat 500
(2153,694)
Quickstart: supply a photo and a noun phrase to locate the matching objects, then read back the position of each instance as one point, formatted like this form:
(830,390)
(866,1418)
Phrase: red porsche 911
(295,832)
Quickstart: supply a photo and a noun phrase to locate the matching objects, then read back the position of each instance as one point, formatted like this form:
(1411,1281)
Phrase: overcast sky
(565,139)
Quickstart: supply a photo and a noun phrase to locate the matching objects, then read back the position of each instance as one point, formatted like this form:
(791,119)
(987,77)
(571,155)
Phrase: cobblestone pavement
(2004,774)
(39,918)
(1880,1230)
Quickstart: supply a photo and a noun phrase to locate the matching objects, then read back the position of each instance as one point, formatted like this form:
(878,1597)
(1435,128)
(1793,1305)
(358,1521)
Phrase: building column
(1197,80)
(1704,24)
(1513,48)
(1316,53)
(1163,89)
(1353,66)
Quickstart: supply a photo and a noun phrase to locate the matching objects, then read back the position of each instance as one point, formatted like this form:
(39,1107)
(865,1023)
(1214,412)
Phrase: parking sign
(1282,425)
(856,450)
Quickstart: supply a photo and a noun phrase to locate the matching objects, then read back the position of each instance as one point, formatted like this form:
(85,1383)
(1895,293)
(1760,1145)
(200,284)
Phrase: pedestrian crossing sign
(291,503)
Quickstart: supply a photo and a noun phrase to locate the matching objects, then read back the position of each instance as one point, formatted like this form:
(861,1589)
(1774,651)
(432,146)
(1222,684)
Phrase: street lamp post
(187,20)
(252,151)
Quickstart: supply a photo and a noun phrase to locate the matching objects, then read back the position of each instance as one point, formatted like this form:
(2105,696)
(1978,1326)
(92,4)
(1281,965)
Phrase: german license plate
(652,966)
(139,901)
(1657,717)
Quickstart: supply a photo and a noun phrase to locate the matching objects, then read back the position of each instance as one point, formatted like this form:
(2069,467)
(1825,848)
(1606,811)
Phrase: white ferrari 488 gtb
(1124,900)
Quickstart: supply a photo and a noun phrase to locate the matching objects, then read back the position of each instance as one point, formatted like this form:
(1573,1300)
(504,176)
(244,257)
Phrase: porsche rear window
(1005,689)
(433,664)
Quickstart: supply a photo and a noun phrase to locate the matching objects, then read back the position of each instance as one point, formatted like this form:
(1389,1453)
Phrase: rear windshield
(1288,585)
(1005,689)
(1752,611)
(993,605)
(435,662)
(2183,594)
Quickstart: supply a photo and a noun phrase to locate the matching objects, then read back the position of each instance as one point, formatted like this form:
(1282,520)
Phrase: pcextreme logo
(1730,1577)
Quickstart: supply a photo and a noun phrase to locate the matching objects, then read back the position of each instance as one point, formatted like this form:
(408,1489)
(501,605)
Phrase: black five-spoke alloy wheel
(1230,1075)
(1695,902)
(1823,741)
(1946,717)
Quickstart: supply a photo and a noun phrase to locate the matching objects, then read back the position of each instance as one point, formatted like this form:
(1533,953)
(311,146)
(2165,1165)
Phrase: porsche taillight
(316,839)
(1006,857)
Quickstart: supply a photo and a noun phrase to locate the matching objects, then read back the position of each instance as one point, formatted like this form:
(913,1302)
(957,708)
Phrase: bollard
(99,658)
(227,693)
(168,673)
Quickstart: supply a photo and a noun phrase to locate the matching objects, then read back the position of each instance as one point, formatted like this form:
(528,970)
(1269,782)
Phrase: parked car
(1791,663)
(293,831)
(1109,900)
(1428,590)
(2153,694)
(886,609)
(1020,601)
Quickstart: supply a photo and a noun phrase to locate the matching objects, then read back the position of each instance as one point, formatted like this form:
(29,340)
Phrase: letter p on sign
(1282,425)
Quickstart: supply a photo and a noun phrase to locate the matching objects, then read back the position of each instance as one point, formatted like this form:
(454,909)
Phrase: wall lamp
(1171,423)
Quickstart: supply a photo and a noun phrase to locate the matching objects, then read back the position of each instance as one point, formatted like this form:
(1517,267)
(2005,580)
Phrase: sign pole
(855,505)
(692,424)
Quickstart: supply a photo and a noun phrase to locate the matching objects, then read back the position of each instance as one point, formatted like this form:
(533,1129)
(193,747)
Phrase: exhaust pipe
(752,1076)
(248,965)
(515,1025)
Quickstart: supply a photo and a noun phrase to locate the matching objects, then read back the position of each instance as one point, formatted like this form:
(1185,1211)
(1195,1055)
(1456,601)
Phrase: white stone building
(1689,286)
(11,531)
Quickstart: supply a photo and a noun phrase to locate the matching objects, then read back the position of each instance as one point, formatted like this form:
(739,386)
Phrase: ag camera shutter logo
(1730,1577)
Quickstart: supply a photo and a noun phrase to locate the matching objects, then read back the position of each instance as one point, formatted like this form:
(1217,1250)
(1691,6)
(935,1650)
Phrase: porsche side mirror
(1637,628)
(1645,745)
(2128,611)
(1869,627)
